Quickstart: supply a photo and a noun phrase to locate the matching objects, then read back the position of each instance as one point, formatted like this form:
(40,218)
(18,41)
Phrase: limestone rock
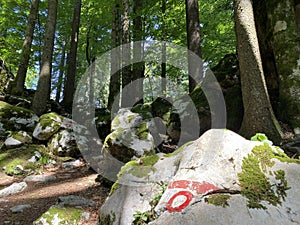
(64,144)
(13,189)
(48,125)
(17,139)
(130,136)
(39,178)
(16,118)
(73,200)
(61,215)
(19,208)
(221,178)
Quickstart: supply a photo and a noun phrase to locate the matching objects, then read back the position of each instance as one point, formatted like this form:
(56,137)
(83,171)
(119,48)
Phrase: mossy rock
(11,158)
(14,118)
(48,125)
(60,215)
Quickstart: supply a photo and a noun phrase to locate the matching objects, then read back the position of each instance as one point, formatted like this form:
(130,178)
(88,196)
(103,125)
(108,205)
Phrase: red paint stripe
(200,188)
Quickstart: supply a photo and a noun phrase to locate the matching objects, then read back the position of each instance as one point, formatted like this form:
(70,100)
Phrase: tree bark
(42,94)
(164,49)
(138,66)
(126,54)
(69,87)
(18,84)
(193,40)
(115,76)
(61,74)
(258,113)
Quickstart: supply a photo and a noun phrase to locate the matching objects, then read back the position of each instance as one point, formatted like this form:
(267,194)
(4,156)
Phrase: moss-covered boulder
(14,118)
(130,136)
(64,144)
(48,125)
(220,178)
(61,215)
(16,139)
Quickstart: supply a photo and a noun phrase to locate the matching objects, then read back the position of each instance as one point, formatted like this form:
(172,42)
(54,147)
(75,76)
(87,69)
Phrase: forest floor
(78,181)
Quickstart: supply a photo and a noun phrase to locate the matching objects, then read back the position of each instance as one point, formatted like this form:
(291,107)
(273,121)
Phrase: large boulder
(48,125)
(130,136)
(221,178)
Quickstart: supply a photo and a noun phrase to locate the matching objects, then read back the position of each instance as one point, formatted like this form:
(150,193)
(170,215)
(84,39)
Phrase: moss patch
(140,167)
(218,199)
(19,156)
(65,215)
(50,120)
(255,185)
(114,187)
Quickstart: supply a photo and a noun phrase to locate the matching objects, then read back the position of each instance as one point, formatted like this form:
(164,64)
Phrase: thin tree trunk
(163,50)
(126,54)
(114,84)
(69,88)
(42,94)
(193,40)
(138,66)
(258,113)
(19,82)
(61,74)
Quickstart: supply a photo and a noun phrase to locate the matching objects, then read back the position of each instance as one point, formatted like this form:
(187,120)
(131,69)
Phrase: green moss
(66,215)
(177,151)
(142,131)
(140,167)
(114,187)
(50,120)
(8,111)
(107,219)
(19,156)
(255,185)
(218,199)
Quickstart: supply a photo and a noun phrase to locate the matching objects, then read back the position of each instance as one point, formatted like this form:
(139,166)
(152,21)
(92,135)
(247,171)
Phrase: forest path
(78,181)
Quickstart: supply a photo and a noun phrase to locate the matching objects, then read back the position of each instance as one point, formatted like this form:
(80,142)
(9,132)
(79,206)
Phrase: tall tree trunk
(114,84)
(69,87)
(164,48)
(193,40)
(126,54)
(61,74)
(284,34)
(42,93)
(18,86)
(258,113)
(138,67)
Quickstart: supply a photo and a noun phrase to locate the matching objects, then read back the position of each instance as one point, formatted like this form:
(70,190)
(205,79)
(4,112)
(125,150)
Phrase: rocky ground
(79,181)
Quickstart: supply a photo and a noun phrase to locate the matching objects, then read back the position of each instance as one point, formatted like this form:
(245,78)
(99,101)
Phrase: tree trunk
(61,74)
(138,66)
(18,86)
(42,93)
(115,76)
(164,49)
(193,40)
(284,34)
(258,113)
(69,87)
(126,54)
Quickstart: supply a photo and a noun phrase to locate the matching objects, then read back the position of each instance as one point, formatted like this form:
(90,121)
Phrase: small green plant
(261,137)
(141,218)
(218,200)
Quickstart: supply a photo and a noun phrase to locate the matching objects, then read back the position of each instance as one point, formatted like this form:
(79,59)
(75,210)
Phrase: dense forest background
(48,45)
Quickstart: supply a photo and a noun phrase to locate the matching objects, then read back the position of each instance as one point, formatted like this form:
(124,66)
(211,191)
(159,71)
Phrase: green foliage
(141,218)
(107,219)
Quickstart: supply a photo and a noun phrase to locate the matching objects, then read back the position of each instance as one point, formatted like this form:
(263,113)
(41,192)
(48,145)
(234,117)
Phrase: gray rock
(73,200)
(10,142)
(204,181)
(13,189)
(72,165)
(130,136)
(19,208)
(48,125)
(39,178)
